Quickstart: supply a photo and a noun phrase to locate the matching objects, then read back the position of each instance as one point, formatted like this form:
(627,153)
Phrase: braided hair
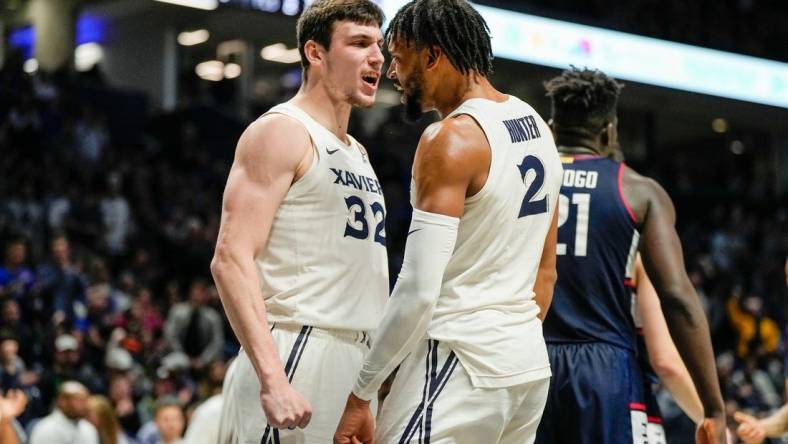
(583,98)
(453,25)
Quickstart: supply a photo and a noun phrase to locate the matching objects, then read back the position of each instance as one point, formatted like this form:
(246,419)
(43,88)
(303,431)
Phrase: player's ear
(314,52)
(433,54)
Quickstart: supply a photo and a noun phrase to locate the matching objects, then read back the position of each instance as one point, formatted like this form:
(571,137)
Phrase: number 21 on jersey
(583,203)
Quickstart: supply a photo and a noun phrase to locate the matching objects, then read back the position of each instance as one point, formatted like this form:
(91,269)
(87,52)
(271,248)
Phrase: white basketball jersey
(325,263)
(486,310)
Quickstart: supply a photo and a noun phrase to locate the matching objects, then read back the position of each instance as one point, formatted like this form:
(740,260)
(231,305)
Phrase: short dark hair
(453,25)
(317,21)
(583,98)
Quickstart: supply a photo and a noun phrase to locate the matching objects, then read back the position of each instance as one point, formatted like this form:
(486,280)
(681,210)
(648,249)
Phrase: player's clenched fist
(285,408)
(711,431)
(357,425)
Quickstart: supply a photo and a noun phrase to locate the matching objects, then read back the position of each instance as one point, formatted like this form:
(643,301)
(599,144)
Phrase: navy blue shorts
(595,397)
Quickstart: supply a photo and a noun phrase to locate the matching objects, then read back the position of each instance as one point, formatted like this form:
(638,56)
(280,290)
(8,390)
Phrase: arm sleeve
(409,310)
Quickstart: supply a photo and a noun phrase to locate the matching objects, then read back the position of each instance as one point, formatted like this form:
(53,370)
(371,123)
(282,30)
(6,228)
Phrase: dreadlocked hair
(583,98)
(317,21)
(453,25)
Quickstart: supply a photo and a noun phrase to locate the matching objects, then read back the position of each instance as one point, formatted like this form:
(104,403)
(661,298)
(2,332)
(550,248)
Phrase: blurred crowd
(107,310)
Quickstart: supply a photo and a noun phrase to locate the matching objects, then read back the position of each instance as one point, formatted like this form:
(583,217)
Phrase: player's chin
(364,100)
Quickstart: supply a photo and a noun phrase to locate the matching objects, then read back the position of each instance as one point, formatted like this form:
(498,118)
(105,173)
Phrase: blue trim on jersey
(435,385)
(290,368)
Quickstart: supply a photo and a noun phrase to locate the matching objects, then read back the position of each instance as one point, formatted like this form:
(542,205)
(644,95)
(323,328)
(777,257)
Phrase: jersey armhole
(621,195)
(313,145)
(483,190)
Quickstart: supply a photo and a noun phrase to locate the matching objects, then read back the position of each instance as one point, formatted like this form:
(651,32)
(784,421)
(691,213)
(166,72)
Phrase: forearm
(239,289)
(410,307)
(680,386)
(690,333)
(776,425)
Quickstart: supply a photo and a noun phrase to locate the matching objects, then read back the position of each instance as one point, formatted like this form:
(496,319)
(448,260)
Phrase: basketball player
(479,260)
(607,212)
(301,300)
(658,358)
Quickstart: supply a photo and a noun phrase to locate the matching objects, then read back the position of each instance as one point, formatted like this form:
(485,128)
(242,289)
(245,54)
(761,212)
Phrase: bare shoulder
(275,140)
(644,194)
(457,142)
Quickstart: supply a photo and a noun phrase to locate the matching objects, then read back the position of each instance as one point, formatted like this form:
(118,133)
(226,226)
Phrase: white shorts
(322,366)
(432,401)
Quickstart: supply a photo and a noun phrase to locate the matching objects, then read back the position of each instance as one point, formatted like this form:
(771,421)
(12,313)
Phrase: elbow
(665,369)
(221,263)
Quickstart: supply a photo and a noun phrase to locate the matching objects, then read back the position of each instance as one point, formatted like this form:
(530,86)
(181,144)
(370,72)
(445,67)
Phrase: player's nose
(391,73)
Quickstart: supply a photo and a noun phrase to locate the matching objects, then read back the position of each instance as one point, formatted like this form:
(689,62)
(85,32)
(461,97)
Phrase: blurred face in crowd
(11,311)
(73,400)
(15,254)
(198,293)
(9,349)
(350,68)
(170,422)
(407,72)
(61,251)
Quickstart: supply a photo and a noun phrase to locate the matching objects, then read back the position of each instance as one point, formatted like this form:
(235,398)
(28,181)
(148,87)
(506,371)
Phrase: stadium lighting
(191,38)
(278,52)
(87,55)
(556,43)
(719,125)
(30,66)
(232,70)
(212,70)
(207,5)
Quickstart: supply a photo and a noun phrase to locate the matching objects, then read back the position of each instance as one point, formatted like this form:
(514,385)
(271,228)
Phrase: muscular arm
(662,352)
(447,158)
(547,274)
(664,263)
(268,157)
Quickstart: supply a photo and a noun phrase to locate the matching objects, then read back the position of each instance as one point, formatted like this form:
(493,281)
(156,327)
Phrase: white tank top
(486,310)
(325,263)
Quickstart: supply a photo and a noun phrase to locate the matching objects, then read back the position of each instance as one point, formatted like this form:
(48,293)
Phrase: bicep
(447,159)
(259,179)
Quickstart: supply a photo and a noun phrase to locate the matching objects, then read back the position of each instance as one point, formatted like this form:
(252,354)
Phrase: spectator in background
(757,333)
(68,365)
(102,415)
(67,424)
(195,329)
(62,283)
(91,136)
(16,279)
(169,421)
(122,397)
(117,218)
(12,368)
(28,214)
(11,325)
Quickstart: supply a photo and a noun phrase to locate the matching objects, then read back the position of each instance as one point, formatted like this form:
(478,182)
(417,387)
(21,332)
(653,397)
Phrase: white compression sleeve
(409,310)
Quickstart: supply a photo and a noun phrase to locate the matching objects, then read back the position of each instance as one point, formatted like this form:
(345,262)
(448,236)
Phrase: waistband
(349,336)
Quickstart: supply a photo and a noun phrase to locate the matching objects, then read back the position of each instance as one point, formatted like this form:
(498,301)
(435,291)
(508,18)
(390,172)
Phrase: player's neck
(334,115)
(461,88)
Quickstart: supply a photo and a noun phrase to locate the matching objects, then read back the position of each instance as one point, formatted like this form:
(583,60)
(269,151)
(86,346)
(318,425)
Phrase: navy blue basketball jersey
(597,245)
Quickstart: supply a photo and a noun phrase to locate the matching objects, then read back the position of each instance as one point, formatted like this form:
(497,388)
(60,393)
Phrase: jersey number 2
(359,228)
(530,206)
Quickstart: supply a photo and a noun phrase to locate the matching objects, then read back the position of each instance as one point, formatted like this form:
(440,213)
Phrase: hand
(711,431)
(357,425)
(283,406)
(750,429)
(13,403)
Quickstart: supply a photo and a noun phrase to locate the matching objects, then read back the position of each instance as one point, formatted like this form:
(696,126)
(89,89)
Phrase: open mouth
(371,79)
